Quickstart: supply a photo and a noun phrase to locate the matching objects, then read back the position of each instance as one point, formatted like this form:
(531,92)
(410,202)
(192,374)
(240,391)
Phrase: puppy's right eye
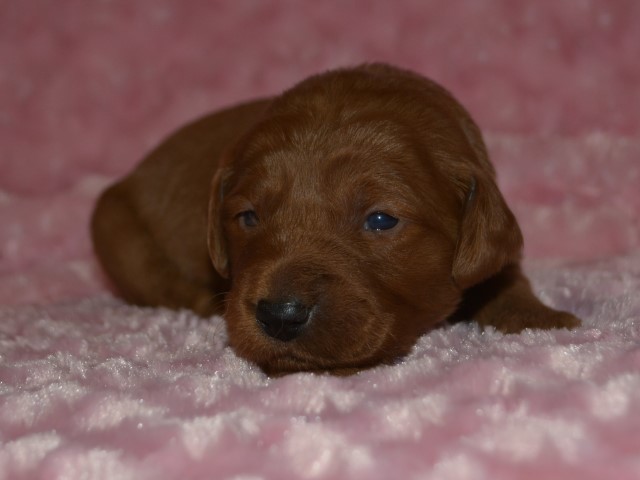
(248,218)
(379,221)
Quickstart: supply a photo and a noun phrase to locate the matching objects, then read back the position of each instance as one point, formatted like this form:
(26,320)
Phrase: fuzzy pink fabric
(92,388)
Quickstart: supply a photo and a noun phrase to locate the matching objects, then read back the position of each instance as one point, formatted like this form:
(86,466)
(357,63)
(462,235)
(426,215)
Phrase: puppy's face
(339,238)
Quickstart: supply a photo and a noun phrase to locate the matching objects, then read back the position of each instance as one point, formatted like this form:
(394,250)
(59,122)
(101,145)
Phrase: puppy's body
(150,229)
(332,225)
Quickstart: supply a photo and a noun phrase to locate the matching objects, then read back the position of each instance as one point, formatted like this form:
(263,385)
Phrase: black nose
(282,320)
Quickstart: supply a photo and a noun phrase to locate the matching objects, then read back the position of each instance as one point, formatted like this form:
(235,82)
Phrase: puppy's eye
(248,218)
(378,221)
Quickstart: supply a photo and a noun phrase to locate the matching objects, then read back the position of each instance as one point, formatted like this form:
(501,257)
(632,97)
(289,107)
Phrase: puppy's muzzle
(283,321)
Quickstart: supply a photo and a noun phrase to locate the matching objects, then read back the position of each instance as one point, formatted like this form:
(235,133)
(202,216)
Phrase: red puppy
(345,218)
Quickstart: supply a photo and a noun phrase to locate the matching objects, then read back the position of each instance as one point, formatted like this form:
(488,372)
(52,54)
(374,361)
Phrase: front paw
(540,318)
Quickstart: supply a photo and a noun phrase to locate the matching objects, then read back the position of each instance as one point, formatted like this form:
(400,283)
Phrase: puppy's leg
(133,259)
(507,303)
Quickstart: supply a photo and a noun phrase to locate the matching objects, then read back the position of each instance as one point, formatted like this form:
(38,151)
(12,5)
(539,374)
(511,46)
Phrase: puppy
(331,225)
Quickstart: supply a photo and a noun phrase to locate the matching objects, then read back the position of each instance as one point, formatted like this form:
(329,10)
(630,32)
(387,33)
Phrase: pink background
(93,387)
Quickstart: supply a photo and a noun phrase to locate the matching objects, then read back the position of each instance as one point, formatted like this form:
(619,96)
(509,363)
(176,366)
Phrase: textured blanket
(91,388)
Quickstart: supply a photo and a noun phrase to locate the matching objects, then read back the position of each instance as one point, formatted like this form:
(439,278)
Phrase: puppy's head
(351,218)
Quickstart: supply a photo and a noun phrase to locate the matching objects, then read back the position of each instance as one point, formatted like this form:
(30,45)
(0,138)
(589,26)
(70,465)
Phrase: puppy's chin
(276,365)
(281,366)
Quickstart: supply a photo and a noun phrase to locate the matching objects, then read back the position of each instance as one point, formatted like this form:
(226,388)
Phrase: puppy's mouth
(285,364)
(328,326)
(279,350)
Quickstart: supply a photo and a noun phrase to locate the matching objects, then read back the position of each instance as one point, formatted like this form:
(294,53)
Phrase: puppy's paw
(543,318)
(564,320)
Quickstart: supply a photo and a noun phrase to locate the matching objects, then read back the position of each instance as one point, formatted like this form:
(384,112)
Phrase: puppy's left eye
(248,218)
(378,221)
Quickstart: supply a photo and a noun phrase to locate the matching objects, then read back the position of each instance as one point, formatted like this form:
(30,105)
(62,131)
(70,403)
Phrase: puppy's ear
(215,238)
(489,237)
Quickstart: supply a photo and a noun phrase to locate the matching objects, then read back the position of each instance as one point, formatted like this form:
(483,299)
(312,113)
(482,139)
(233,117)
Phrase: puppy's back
(149,229)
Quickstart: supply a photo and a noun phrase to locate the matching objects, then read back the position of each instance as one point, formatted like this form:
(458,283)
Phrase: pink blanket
(92,388)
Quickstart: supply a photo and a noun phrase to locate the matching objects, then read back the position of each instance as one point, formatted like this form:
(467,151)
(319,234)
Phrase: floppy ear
(215,237)
(489,237)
